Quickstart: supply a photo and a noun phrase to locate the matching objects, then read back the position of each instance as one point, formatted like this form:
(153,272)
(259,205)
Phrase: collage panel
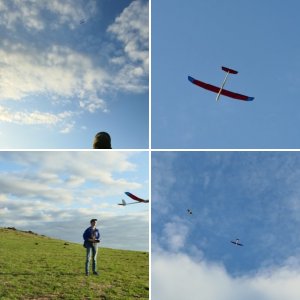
(66,233)
(71,69)
(224,225)
(193,46)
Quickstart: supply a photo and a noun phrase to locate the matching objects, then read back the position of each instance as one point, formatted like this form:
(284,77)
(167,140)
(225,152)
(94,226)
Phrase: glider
(139,200)
(189,211)
(237,242)
(221,90)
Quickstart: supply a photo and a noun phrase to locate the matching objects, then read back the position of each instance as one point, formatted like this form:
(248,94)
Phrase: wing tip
(250,99)
(191,79)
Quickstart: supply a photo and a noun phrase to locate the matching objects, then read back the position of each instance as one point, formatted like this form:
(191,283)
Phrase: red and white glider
(139,200)
(221,90)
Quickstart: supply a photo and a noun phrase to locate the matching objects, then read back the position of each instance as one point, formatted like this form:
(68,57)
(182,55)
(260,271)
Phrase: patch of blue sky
(255,38)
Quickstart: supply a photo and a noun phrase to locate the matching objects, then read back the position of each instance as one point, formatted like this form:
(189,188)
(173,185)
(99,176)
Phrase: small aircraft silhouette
(237,242)
(134,198)
(189,211)
(82,21)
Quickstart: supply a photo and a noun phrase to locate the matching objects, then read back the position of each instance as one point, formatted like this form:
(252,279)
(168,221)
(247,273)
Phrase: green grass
(38,267)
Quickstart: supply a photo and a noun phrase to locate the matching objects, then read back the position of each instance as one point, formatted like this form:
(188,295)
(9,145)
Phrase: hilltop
(38,267)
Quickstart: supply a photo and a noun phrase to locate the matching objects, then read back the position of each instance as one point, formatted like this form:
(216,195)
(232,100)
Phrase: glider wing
(135,197)
(237,243)
(216,89)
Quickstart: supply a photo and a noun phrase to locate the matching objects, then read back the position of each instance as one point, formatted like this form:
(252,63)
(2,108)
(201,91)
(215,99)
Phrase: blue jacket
(88,234)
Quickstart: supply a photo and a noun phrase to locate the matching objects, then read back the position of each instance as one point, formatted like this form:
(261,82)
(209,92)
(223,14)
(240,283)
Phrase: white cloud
(58,70)
(175,234)
(131,28)
(35,117)
(176,276)
(103,170)
(93,104)
(17,12)
(18,186)
(29,14)
(75,180)
(68,127)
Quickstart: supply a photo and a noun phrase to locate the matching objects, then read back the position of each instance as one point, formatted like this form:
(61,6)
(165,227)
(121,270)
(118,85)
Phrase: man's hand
(94,241)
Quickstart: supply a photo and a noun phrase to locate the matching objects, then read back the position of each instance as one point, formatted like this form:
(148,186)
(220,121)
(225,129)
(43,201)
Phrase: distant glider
(237,242)
(134,198)
(221,90)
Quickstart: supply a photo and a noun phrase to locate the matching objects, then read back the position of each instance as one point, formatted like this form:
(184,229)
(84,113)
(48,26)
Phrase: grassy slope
(37,267)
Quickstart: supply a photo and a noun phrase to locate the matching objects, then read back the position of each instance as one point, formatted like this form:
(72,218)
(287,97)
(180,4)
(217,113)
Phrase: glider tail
(123,203)
(231,71)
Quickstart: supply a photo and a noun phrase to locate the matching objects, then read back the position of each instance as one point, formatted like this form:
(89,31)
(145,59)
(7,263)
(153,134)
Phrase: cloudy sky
(72,68)
(256,38)
(57,193)
(253,196)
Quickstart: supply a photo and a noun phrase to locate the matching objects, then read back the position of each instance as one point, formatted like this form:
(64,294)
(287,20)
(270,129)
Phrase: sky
(250,195)
(256,38)
(57,193)
(72,68)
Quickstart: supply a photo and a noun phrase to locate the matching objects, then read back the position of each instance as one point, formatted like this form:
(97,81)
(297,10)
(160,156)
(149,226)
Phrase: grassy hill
(38,267)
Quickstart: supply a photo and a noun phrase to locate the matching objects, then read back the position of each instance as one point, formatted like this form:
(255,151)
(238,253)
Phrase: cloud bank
(176,276)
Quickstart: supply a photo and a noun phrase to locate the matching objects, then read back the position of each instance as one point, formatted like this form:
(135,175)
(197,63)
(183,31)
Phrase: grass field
(38,267)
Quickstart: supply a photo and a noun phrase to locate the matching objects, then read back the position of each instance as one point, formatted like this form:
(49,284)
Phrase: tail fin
(229,70)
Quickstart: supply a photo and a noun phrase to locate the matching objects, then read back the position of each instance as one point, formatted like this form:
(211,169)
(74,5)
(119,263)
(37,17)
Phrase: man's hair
(93,220)
(102,140)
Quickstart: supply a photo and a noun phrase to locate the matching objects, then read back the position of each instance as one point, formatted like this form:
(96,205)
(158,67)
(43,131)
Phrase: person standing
(91,238)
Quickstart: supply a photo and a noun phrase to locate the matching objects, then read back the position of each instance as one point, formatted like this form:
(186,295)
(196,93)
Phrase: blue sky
(253,196)
(257,38)
(57,193)
(72,68)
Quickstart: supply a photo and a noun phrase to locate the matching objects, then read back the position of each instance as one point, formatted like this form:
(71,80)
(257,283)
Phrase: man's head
(93,222)
(102,140)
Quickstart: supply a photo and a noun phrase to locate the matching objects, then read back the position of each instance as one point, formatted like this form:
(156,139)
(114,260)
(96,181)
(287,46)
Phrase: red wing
(216,89)
(134,197)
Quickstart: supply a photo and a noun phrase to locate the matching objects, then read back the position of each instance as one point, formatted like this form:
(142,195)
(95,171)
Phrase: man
(91,238)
